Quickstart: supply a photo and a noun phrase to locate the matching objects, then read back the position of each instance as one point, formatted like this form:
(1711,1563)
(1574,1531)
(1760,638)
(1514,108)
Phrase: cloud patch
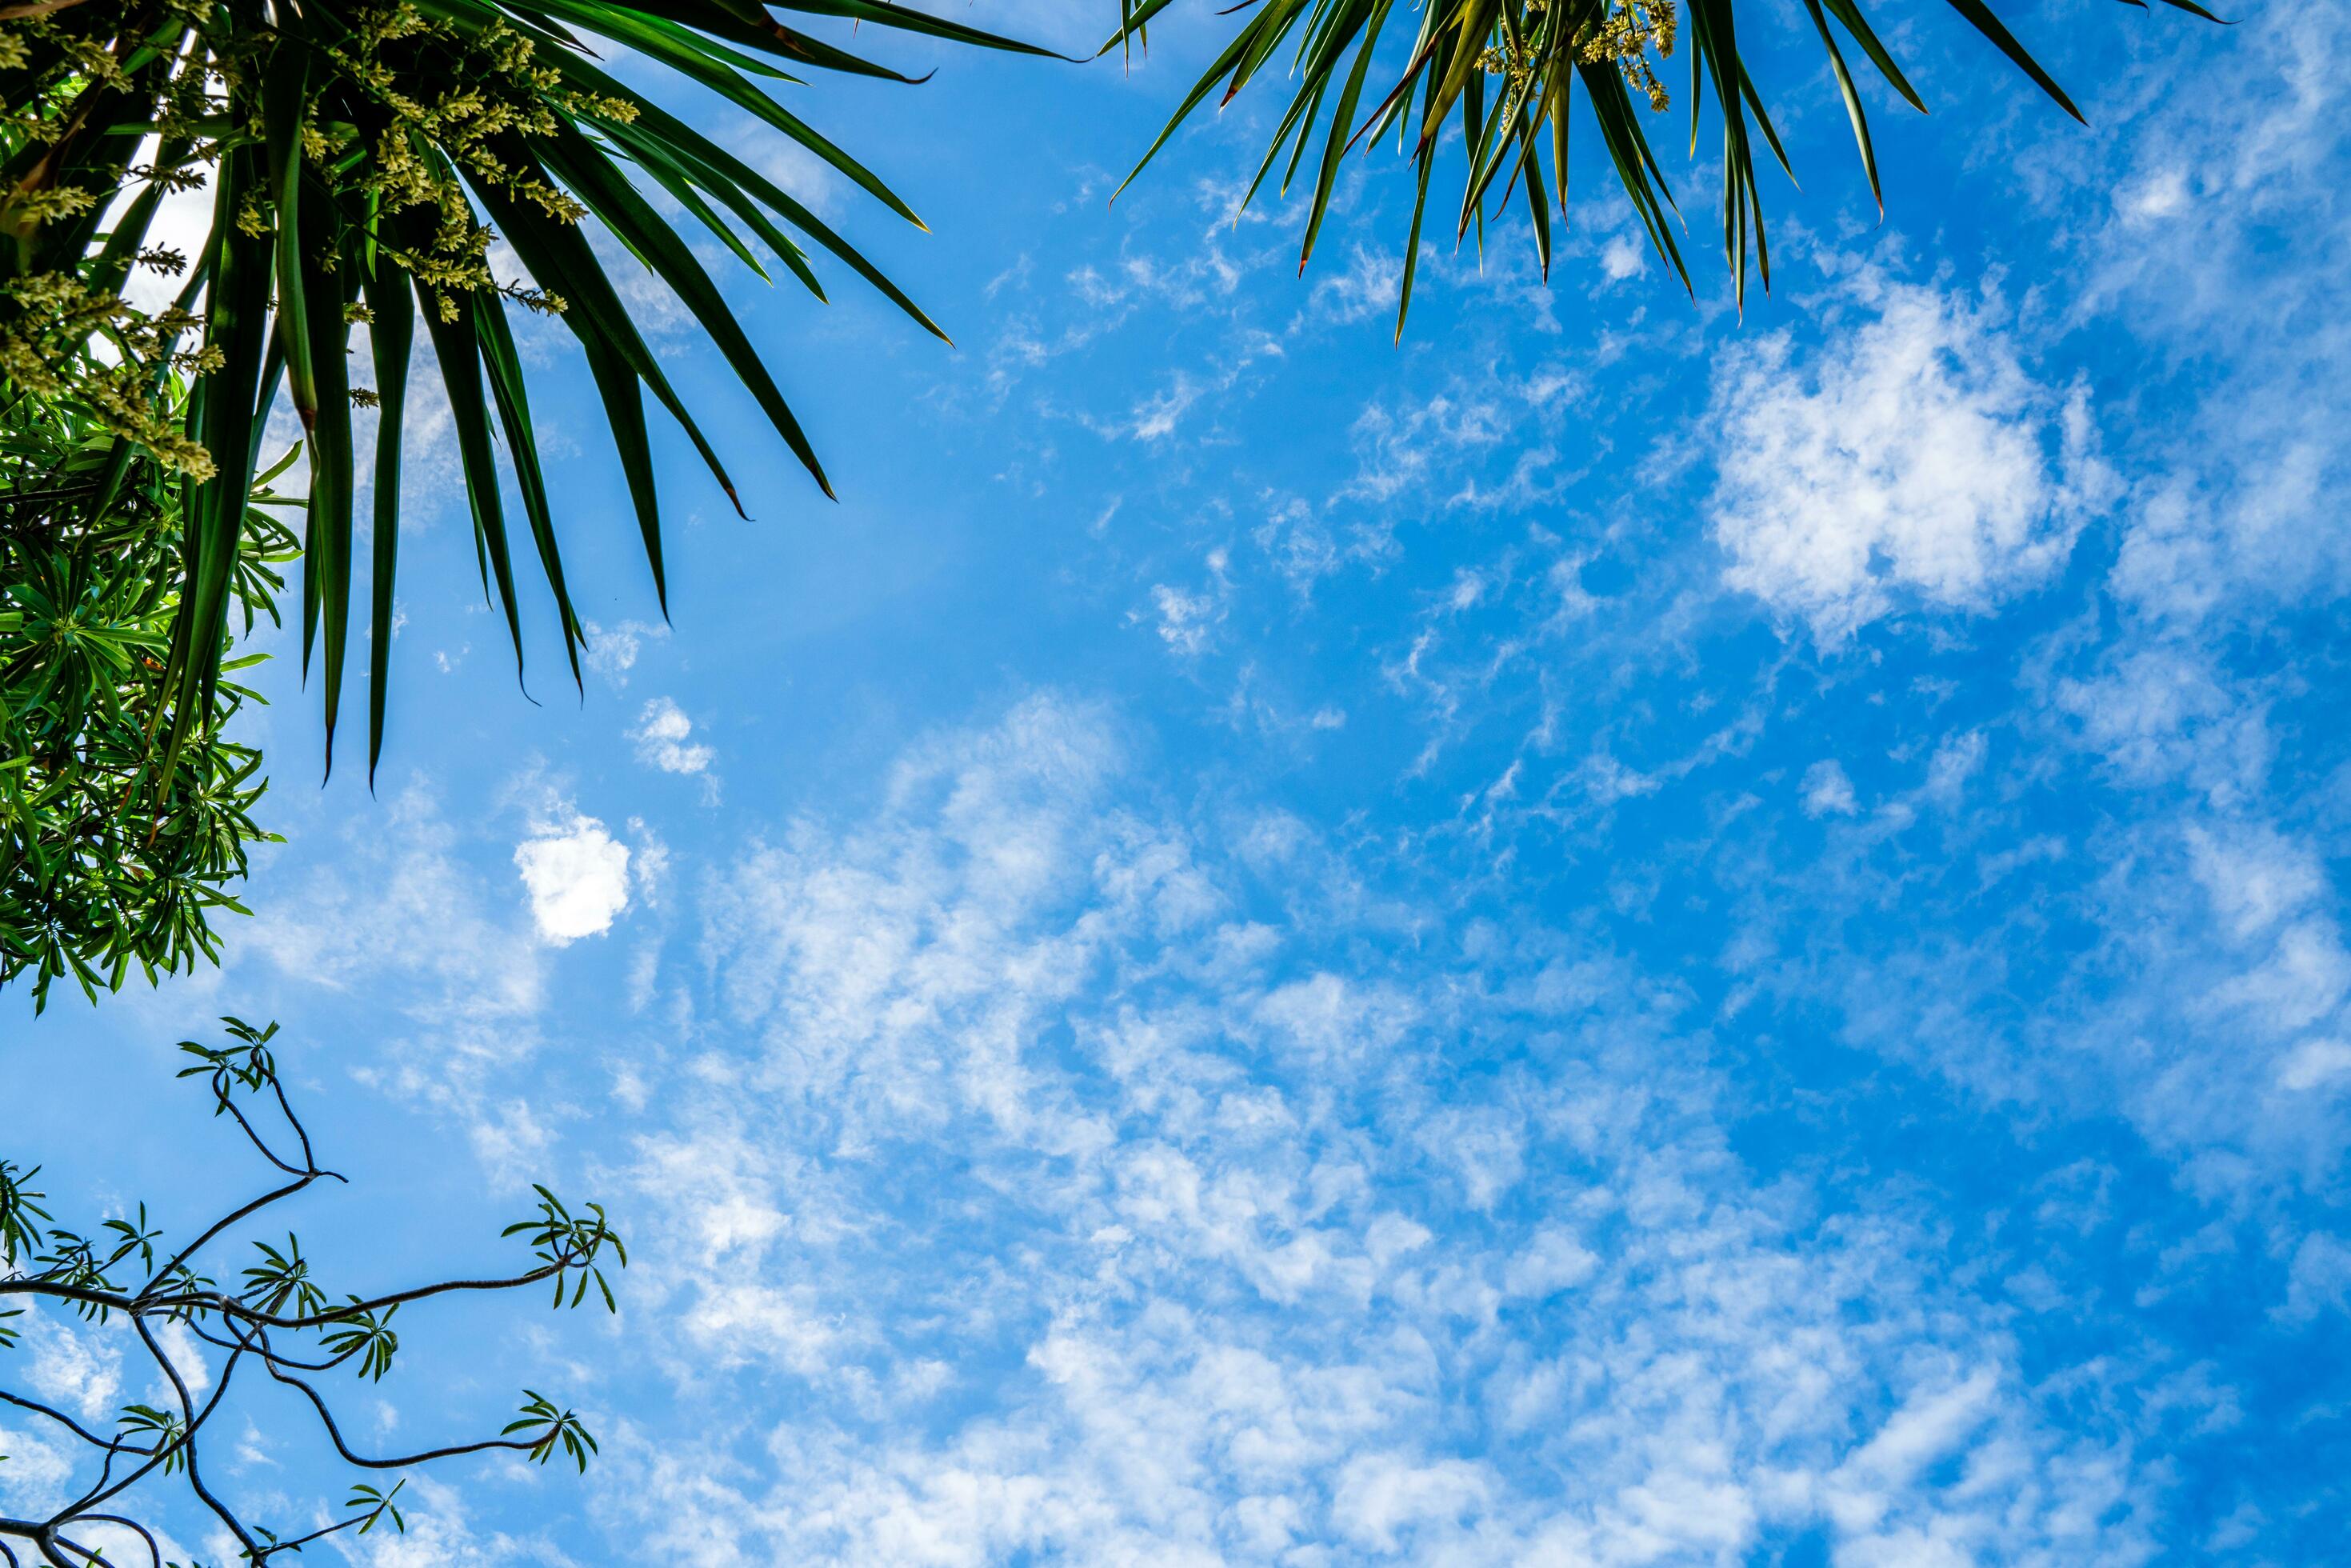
(663,737)
(1255,1236)
(577,876)
(1909,461)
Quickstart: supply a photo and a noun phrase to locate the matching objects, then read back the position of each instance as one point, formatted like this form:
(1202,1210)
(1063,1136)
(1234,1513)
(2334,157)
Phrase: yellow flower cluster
(487,87)
(453,97)
(56,314)
(1624,36)
(1632,29)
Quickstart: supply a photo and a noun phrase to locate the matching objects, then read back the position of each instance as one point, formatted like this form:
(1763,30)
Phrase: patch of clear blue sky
(1622,1132)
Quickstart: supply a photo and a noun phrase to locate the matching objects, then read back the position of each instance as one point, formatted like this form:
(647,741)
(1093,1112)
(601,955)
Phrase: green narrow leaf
(560,258)
(391,337)
(455,346)
(235,322)
(1853,105)
(624,411)
(730,86)
(1475,123)
(592,176)
(1980,18)
(1297,126)
(265,396)
(1636,164)
(505,371)
(1224,61)
(327,555)
(1849,13)
(763,34)
(1463,72)
(906,20)
(665,173)
(726,169)
(666,160)
(283,81)
(1342,118)
(1763,118)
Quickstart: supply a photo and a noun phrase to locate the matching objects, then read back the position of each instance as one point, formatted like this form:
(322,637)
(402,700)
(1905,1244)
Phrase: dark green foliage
(108,866)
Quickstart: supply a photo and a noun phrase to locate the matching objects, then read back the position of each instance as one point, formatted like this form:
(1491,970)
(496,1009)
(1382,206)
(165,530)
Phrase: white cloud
(576,876)
(71,1367)
(401,901)
(2319,1278)
(2256,877)
(613,650)
(1156,416)
(1186,620)
(1398,448)
(1827,791)
(1624,255)
(2236,517)
(39,1470)
(664,740)
(2163,193)
(2209,1010)
(1908,461)
(2315,1063)
(407,911)
(1381,1496)
(1552,1262)
(1370,284)
(2161,714)
(440,1534)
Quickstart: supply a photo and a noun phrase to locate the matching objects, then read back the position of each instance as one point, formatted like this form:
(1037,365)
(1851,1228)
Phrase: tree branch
(76,1268)
(188,1437)
(334,1435)
(35,8)
(256,1206)
(68,1422)
(153,1551)
(230,1307)
(161,1453)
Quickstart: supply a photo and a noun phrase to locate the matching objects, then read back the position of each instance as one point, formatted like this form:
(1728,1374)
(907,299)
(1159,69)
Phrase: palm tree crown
(361,155)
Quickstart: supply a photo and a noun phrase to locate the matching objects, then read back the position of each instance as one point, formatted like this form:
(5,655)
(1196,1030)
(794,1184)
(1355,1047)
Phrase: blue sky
(1612,936)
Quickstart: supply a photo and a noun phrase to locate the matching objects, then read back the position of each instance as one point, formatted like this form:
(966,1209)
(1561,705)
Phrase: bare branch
(76,1268)
(153,1551)
(335,1436)
(187,1439)
(38,1408)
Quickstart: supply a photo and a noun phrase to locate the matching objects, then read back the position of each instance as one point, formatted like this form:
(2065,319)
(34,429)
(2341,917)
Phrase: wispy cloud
(664,740)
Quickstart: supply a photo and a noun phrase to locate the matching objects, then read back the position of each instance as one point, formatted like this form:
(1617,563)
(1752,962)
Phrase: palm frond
(1533,55)
(362,152)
